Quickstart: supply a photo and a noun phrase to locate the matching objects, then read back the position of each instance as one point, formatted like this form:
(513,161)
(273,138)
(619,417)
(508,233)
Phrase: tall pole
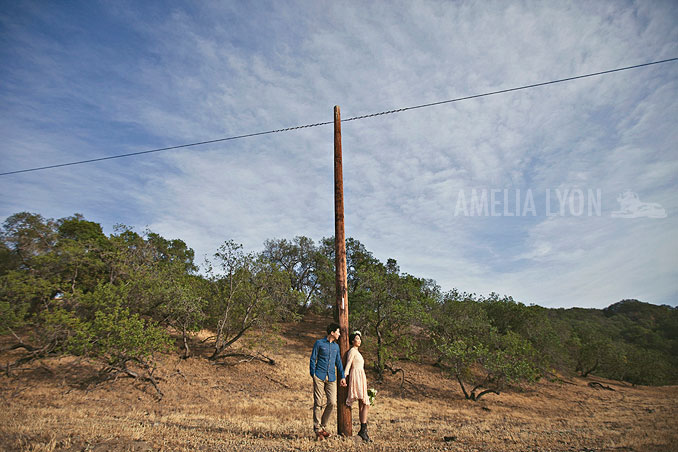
(344,426)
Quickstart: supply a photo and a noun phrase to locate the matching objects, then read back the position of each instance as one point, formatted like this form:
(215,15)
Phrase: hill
(112,298)
(246,404)
(629,340)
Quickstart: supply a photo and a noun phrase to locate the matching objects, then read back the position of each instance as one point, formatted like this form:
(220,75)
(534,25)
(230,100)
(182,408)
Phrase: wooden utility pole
(344,426)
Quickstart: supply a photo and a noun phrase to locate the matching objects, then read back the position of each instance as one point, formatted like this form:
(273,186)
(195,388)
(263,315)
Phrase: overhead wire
(508,90)
(354,118)
(150,151)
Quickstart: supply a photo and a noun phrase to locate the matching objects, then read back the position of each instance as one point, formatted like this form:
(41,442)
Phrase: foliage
(244,291)
(21,294)
(629,340)
(75,290)
(123,337)
(101,326)
(532,323)
(28,236)
(184,306)
(78,290)
(305,265)
(389,305)
(478,354)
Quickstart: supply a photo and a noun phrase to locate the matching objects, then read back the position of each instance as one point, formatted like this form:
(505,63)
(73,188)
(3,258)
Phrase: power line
(354,118)
(508,90)
(150,151)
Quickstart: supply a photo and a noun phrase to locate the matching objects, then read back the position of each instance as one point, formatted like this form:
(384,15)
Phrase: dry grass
(255,406)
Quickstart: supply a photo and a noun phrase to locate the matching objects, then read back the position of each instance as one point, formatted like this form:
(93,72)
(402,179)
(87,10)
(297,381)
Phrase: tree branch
(395,371)
(249,357)
(487,391)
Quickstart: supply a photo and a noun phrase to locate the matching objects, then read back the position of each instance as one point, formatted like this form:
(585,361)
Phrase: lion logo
(630,206)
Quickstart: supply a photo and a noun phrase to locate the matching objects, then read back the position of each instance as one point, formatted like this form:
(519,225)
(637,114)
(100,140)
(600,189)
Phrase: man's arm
(314,358)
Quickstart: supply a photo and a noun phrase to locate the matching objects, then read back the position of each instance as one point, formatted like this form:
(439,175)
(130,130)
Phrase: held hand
(343,382)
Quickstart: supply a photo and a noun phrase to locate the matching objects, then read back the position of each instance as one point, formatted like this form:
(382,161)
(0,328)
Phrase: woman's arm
(349,361)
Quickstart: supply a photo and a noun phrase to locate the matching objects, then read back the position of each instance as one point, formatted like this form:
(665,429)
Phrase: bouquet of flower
(372,394)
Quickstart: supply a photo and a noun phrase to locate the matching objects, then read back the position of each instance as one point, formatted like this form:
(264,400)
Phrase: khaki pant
(324,402)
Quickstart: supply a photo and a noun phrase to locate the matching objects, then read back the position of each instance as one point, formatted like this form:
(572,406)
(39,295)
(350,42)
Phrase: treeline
(67,288)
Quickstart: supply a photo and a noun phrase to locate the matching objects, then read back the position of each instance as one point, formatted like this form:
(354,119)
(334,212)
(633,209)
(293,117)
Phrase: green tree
(594,350)
(81,292)
(22,294)
(244,291)
(389,306)
(533,324)
(103,328)
(184,306)
(9,260)
(28,236)
(171,251)
(78,254)
(303,262)
(481,358)
(646,367)
(28,280)
(161,280)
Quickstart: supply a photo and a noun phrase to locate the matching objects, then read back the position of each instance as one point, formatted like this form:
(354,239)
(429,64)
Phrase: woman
(357,382)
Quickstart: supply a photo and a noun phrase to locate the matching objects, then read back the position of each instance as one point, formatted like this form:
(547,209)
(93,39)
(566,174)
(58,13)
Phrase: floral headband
(357,333)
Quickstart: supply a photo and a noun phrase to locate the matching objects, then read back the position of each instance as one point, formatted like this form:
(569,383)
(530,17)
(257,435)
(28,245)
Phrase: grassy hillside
(242,404)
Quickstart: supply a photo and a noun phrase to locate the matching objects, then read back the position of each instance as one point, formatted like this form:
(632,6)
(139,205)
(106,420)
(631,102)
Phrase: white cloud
(211,70)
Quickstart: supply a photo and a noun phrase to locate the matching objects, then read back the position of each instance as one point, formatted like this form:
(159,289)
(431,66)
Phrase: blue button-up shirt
(324,357)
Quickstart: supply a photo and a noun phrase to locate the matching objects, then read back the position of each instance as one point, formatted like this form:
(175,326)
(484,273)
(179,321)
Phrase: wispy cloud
(99,79)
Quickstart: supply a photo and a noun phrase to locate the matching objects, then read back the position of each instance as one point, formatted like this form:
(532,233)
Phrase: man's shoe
(325,433)
(319,435)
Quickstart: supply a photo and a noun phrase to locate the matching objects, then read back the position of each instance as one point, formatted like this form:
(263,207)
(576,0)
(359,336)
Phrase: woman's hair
(332,327)
(352,336)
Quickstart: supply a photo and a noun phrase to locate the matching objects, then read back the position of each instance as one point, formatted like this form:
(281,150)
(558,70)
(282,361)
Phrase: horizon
(560,195)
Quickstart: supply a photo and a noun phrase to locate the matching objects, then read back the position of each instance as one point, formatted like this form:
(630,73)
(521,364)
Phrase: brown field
(250,405)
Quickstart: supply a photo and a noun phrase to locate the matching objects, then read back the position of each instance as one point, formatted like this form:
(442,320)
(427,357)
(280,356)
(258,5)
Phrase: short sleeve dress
(357,380)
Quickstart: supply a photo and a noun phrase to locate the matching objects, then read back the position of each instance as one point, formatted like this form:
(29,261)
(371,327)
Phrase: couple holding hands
(324,358)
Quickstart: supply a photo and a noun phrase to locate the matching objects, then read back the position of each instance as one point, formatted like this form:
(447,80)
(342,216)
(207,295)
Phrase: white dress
(357,380)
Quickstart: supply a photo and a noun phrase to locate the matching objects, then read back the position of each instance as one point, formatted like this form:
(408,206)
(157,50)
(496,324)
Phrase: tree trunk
(463,389)
(380,364)
(218,349)
(187,351)
(587,372)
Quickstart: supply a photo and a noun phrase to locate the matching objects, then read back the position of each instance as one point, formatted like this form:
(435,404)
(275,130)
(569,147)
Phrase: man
(324,358)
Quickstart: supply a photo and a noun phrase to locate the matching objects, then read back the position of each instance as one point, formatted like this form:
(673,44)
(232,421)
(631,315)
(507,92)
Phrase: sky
(561,195)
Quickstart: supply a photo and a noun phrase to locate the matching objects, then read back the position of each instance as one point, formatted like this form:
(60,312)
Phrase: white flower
(372,394)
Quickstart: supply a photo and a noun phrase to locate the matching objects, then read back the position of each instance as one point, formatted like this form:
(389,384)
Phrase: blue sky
(82,80)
